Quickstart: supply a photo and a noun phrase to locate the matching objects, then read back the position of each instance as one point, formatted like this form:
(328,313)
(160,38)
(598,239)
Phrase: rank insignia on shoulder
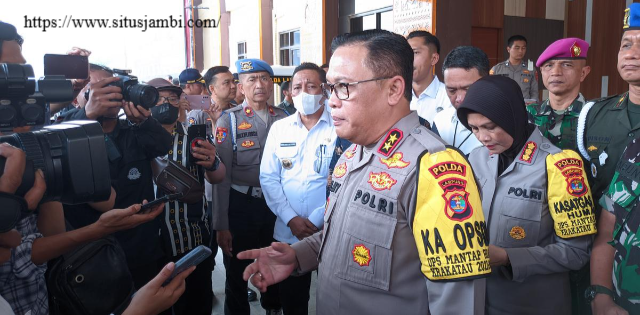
(517,233)
(221,134)
(381,181)
(271,111)
(361,255)
(592,148)
(528,151)
(340,170)
(390,142)
(247,144)
(244,125)
(248,111)
(395,161)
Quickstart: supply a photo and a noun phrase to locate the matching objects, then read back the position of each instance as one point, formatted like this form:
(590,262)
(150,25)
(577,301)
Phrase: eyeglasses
(171,100)
(342,88)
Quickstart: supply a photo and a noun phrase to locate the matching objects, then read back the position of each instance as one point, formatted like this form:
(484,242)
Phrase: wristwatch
(216,164)
(591,292)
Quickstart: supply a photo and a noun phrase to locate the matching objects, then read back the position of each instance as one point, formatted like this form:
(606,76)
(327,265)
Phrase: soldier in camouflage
(563,67)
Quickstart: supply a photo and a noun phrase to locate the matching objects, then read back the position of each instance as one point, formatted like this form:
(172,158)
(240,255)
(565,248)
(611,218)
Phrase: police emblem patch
(350,153)
(134,174)
(247,144)
(361,255)
(457,206)
(445,168)
(246,66)
(221,134)
(340,170)
(575,182)
(527,152)
(390,142)
(517,233)
(381,181)
(395,161)
(244,125)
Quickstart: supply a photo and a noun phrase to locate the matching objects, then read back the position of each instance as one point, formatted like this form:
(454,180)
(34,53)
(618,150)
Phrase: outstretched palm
(272,264)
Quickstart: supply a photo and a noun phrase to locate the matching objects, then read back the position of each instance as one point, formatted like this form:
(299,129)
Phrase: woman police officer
(536,202)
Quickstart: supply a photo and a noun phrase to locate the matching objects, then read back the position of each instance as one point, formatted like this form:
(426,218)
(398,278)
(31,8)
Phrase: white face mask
(307,104)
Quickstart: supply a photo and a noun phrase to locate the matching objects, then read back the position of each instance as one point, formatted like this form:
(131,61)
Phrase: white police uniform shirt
(294,171)
(431,101)
(454,133)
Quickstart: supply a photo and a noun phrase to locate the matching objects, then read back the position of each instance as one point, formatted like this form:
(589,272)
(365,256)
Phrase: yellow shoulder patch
(570,202)
(449,227)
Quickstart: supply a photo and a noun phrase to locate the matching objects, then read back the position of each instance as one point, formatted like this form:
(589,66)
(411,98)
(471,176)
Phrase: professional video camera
(22,101)
(73,158)
(132,91)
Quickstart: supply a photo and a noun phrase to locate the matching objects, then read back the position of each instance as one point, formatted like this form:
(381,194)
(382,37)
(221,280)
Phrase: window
(242,50)
(379,19)
(290,48)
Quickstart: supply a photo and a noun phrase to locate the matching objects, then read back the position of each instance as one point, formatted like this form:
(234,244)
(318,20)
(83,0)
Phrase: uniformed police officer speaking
(378,235)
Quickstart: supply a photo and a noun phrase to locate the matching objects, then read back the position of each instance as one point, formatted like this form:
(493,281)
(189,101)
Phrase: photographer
(186,224)
(131,145)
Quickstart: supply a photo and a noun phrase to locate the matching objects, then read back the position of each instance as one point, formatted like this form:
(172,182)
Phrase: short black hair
(324,65)
(284,86)
(429,39)
(311,66)
(210,76)
(389,54)
(467,57)
(514,38)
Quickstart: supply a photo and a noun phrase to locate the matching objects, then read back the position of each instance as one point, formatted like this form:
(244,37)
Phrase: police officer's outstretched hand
(103,98)
(272,264)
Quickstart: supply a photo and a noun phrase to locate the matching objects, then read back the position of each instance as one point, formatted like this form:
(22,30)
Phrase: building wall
(211,41)
(244,24)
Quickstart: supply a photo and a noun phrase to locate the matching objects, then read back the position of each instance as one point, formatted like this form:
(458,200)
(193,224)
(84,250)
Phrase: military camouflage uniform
(546,119)
(622,200)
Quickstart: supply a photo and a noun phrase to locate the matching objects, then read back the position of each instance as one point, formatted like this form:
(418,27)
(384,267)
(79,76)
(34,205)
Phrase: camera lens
(73,158)
(143,95)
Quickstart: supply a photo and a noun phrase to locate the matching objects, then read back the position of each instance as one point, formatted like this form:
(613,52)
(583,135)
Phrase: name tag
(287,144)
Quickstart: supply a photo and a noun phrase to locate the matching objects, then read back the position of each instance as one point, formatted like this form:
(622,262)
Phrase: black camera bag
(93,279)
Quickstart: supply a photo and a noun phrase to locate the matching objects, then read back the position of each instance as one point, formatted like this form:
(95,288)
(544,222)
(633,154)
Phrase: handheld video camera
(73,158)
(23,100)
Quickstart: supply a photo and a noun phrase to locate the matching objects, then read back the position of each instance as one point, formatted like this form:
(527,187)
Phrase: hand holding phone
(193,258)
(145,208)
(200,102)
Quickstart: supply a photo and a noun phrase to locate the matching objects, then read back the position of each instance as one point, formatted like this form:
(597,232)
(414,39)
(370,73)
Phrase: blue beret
(632,17)
(190,75)
(253,65)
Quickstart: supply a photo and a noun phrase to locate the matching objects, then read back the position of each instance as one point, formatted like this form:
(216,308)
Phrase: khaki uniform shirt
(366,255)
(526,79)
(243,162)
(516,210)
